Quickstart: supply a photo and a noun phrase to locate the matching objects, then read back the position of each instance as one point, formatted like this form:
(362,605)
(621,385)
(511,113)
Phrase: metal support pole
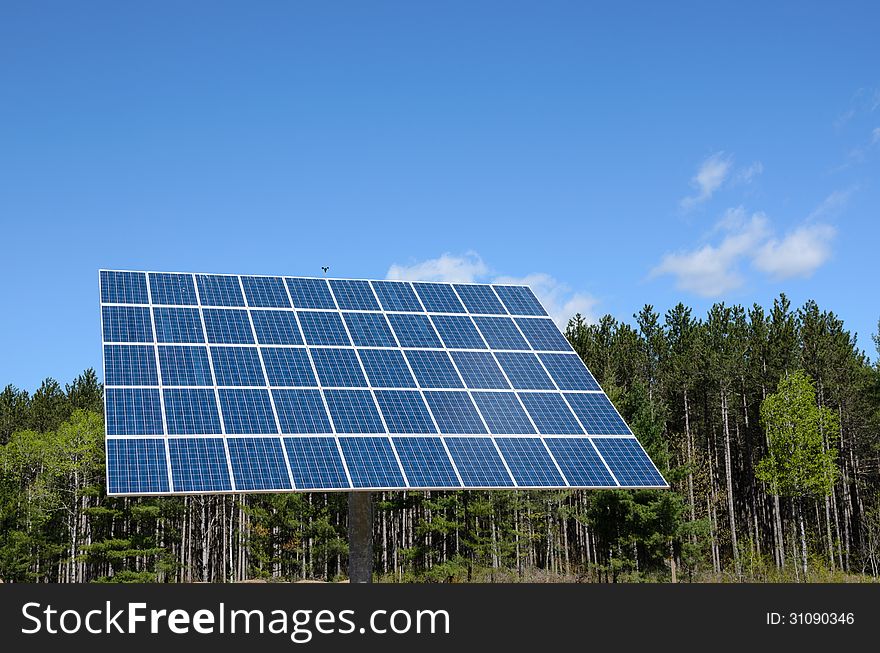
(360,537)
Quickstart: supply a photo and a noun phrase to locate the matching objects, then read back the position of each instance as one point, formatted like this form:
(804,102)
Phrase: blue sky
(613,155)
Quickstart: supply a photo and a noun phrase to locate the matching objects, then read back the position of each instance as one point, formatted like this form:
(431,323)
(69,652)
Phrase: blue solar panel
(524,371)
(425,462)
(133,411)
(569,372)
(386,368)
(354,295)
(405,411)
(123,287)
(127,324)
(310,293)
(199,465)
(549,413)
(433,369)
(276,327)
(369,330)
(480,299)
(338,368)
(543,334)
(323,328)
(520,300)
(478,462)
(596,414)
(628,462)
(502,412)
(191,411)
(414,330)
(501,333)
(479,370)
(178,325)
(315,463)
(458,332)
(136,466)
(396,296)
(265,292)
(579,462)
(316,360)
(247,411)
(228,326)
(168,288)
(454,412)
(371,462)
(301,411)
(529,462)
(439,298)
(130,365)
(288,366)
(353,411)
(219,290)
(182,365)
(237,366)
(258,464)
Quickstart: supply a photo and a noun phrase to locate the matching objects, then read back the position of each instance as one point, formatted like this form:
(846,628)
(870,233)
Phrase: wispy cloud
(799,254)
(560,300)
(749,173)
(831,206)
(462,268)
(712,270)
(710,175)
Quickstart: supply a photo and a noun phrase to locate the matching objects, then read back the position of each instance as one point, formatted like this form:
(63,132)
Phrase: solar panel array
(224,383)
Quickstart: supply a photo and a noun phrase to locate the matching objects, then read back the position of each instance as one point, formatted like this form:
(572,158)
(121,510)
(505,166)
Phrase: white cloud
(747,175)
(557,297)
(560,300)
(832,205)
(711,174)
(448,267)
(799,254)
(712,270)
(875,136)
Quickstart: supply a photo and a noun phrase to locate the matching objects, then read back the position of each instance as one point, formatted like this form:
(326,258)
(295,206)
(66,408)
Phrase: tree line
(765,423)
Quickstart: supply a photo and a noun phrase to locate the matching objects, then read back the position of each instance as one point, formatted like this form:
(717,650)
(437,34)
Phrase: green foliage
(798,463)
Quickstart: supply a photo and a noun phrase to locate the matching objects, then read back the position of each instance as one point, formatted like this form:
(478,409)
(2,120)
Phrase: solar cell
(191,411)
(425,462)
(178,325)
(369,330)
(265,292)
(354,295)
(175,289)
(276,327)
(396,296)
(371,462)
(529,462)
(386,368)
(596,413)
(219,290)
(439,298)
(199,465)
(310,293)
(520,300)
(136,466)
(478,462)
(458,332)
(282,384)
(479,299)
(414,330)
(315,463)
(258,464)
(130,365)
(628,462)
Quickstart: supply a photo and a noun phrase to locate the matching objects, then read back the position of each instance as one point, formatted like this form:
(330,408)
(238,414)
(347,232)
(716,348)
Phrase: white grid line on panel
(268,387)
(214,380)
(372,392)
(161,388)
